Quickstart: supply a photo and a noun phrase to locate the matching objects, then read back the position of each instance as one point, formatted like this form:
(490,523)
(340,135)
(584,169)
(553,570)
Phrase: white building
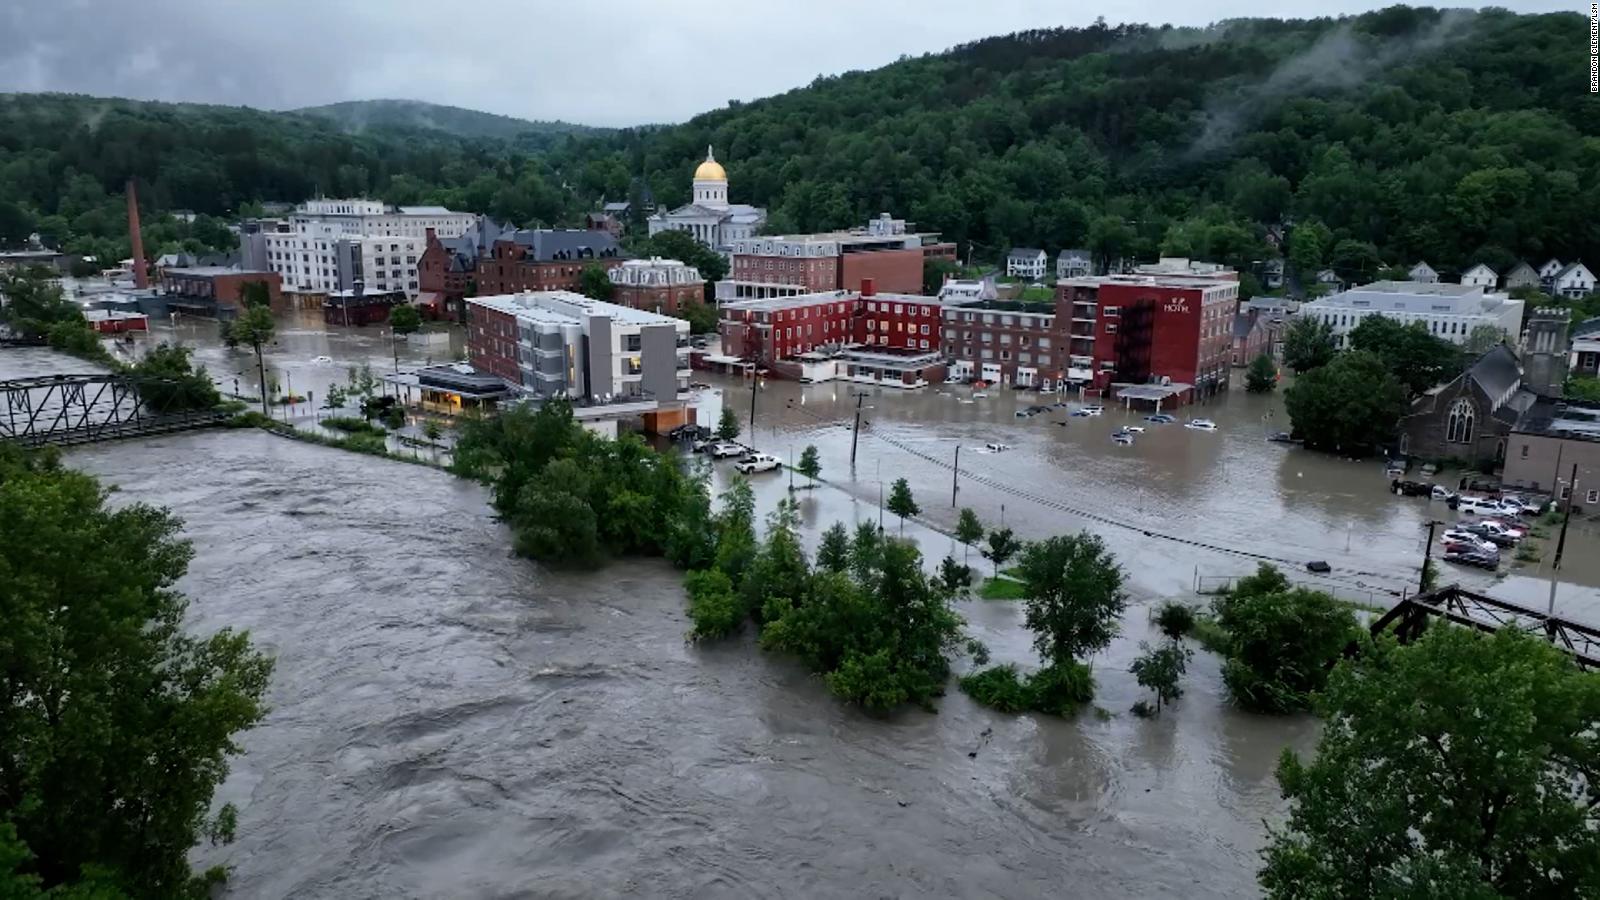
(1573,281)
(1182,265)
(329,245)
(1026,262)
(1450,311)
(591,351)
(1481,276)
(1074,264)
(710,217)
(1423,274)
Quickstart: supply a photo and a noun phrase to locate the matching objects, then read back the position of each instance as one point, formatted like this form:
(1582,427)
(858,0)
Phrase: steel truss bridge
(64,410)
(1410,618)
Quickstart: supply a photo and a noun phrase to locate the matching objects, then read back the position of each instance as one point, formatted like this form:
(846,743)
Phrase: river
(450,721)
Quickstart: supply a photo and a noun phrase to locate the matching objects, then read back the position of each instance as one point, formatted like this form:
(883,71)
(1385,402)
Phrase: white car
(1440,492)
(1458,536)
(725,449)
(1133,429)
(1528,506)
(1502,528)
(758,462)
(1201,425)
(1093,410)
(996,448)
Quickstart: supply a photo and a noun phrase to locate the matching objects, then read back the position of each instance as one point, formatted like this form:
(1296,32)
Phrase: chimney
(868,288)
(140,279)
(431,238)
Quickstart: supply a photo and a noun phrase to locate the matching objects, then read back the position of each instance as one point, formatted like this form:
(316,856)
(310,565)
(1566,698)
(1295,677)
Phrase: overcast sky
(599,63)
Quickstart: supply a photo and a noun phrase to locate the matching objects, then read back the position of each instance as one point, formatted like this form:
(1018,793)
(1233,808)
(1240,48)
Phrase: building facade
(1468,418)
(492,259)
(1074,264)
(331,245)
(710,218)
(215,291)
(1551,438)
(1449,311)
(1482,276)
(1004,342)
(558,343)
(1026,262)
(887,252)
(657,285)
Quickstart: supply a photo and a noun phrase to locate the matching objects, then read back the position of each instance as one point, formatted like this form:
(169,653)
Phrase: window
(1111,328)
(924,329)
(1111,312)
(923,344)
(1592,497)
(871,325)
(1044,343)
(1458,427)
(1524,451)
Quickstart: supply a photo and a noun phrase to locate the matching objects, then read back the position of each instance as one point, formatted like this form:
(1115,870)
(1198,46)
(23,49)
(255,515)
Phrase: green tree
(1462,765)
(1418,359)
(595,282)
(682,246)
(969,530)
(168,383)
(901,503)
(1484,338)
(702,317)
(403,320)
(1175,620)
(1308,344)
(954,576)
(1582,387)
(779,576)
(1349,406)
(1003,545)
(34,302)
(1074,596)
(935,272)
(1262,375)
(1160,669)
(810,463)
(728,425)
(833,550)
(714,608)
(122,718)
(1279,644)
(255,328)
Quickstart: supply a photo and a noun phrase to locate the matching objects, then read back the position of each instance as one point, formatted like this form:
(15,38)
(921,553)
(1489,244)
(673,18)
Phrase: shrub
(1175,620)
(999,688)
(374,444)
(713,607)
(1062,688)
(1280,645)
(351,425)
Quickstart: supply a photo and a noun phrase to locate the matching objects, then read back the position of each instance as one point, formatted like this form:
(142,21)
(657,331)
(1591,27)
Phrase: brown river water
(450,721)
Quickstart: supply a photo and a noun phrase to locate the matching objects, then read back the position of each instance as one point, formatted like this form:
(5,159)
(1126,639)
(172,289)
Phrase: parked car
(725,449)
(1407,488)
(1161,418)
(1481,559)
(1474,506)
(1493,535)
(1460,537)
(1133,429)
(689,432)
(1479,483)
(1527,506)
(758,462)
(1510,525)
(1440,492)
(1281,437)
(1201,425)
(1093,410)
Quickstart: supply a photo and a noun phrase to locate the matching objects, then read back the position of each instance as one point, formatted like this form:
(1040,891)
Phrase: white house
(1026,262)
(1073,264)
(1522,275)
(1482,276)
(1330,278)
(1272,274)
(1424,273)
(1572,282)
(1547,274)
(1449,311)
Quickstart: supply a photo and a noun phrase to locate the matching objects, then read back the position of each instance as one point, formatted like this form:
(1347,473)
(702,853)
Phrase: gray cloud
(624,62)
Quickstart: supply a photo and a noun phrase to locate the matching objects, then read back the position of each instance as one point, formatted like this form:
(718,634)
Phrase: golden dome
(710,170)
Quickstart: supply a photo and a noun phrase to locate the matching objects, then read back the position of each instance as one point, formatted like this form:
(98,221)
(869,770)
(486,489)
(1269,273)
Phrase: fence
(1370,596)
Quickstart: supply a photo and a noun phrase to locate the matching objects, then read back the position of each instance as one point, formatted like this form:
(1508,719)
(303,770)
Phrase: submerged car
(1481,559)
(1161,418)
(1201,425)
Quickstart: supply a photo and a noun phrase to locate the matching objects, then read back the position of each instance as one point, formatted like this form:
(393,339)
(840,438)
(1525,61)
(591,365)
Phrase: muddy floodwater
(450,721)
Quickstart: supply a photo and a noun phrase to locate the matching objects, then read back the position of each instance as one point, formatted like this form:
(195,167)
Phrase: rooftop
(565,307)
(773,304)
(427,211)
(1415,296)
(1566,419)
(213,271)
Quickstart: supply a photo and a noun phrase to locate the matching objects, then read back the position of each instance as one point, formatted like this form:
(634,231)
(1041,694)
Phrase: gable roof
(1480,266)
(1073,254)
(1019,252)
(1570,268)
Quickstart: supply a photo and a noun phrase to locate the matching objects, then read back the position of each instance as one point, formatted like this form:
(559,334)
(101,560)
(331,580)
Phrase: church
(710,217)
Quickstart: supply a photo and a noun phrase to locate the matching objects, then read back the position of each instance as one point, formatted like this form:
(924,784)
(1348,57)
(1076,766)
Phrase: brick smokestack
(869,288)
(140,279)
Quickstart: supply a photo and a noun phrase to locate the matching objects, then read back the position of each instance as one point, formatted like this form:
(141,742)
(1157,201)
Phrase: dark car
(689,432)
(1406,488)
(1479,484)
(1497,538)
(1476,558)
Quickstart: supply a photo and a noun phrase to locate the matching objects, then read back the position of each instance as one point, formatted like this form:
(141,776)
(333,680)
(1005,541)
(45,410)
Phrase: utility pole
(855,433)
(1561,542)
(755,382)
(955,479)
(1427,556)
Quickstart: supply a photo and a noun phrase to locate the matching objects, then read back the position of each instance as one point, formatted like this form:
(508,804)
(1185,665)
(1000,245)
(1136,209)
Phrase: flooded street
(450,721)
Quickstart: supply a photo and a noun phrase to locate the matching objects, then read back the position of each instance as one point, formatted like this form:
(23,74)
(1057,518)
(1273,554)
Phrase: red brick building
(657,285)
(1154,329)
(215,290)
(490,259)
(897,321)
(492,343)
(885,252)
(784,327)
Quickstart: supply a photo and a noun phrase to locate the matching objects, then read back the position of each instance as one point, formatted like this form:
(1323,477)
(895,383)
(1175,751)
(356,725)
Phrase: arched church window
(1458,427)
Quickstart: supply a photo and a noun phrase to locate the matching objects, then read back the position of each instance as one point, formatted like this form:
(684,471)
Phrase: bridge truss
(1409,618)
(64,410)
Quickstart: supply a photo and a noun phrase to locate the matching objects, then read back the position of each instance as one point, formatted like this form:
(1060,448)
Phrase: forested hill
(360,115)
(1451,136)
